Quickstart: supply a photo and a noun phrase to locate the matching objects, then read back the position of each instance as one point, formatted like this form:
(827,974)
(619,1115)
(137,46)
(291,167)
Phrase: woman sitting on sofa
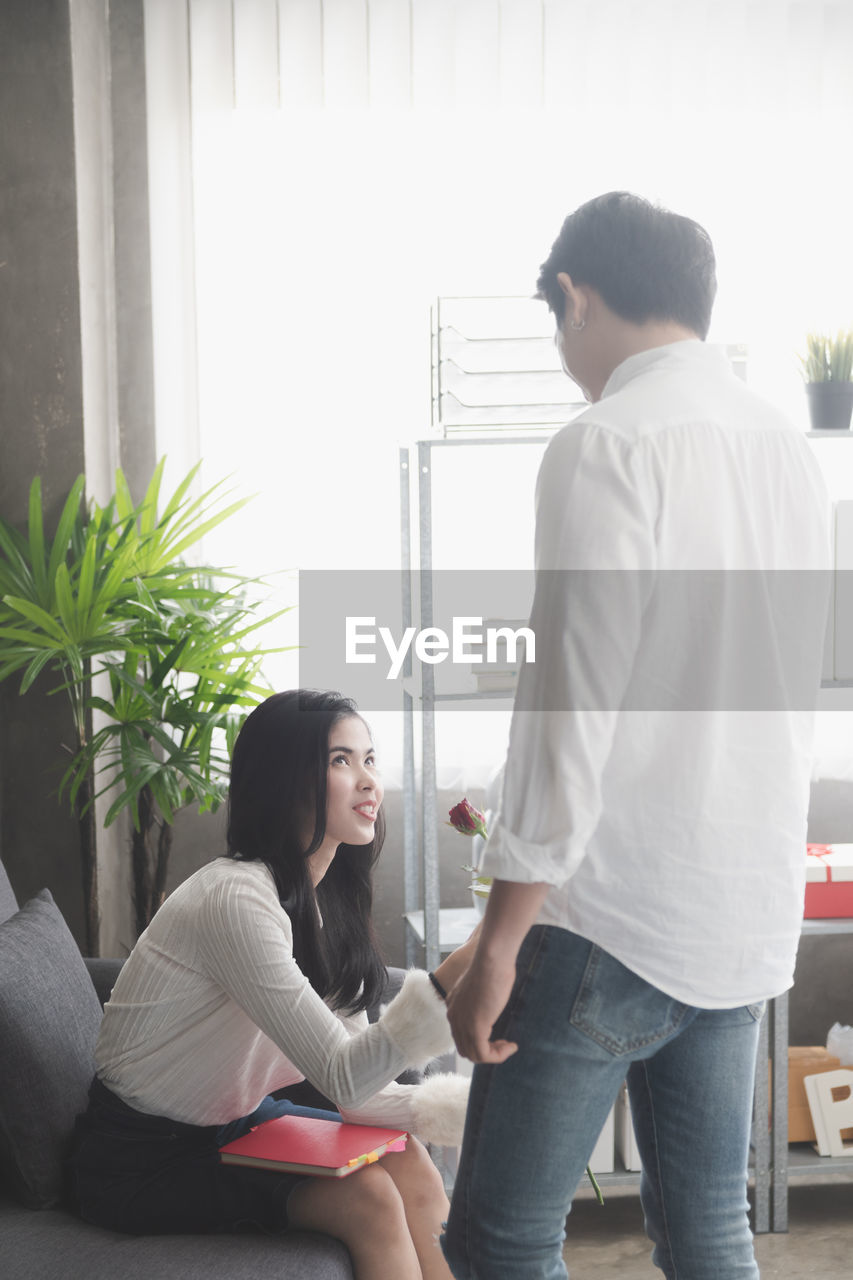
(254,974)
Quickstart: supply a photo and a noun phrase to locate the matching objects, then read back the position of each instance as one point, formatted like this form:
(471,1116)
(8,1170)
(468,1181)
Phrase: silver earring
(577,327)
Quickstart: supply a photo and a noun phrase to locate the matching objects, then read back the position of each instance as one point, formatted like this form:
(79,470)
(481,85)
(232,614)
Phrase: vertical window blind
(659,55)
(322,170)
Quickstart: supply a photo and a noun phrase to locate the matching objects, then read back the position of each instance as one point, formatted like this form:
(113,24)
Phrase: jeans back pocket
(622,1012)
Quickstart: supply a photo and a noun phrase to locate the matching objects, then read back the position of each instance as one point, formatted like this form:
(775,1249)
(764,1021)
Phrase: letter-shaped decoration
(831,1113)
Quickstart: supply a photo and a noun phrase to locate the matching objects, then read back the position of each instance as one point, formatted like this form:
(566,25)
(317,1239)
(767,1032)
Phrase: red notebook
(304,1144)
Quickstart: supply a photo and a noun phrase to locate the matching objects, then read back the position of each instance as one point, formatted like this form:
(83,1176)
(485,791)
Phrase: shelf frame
(773,1165)
(421,878)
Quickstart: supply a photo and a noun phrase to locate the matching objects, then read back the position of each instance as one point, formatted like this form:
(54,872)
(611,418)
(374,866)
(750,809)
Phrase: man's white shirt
(659,763)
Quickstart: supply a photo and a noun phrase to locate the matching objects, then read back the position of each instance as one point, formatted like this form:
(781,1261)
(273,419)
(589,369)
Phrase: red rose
(467,820)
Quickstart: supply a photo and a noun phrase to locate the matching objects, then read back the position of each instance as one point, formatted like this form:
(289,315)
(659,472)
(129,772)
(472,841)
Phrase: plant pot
(830,405)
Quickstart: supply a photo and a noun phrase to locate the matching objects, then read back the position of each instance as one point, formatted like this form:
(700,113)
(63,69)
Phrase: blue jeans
(583,1021)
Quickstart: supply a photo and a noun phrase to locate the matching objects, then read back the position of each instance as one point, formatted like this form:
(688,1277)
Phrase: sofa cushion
(49,1019)
(53,1245)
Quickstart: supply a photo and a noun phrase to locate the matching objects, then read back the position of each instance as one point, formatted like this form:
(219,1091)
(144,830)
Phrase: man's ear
(577,301)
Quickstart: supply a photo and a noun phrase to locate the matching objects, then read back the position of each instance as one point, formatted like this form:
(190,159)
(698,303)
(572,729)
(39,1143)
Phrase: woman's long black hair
(277,790)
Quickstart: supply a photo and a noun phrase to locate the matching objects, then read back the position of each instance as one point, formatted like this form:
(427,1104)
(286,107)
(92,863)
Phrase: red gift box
(829,880)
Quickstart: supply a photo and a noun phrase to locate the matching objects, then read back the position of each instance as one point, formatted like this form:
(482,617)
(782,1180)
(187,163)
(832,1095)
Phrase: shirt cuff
(416,1020)
(507,857)
(440,1105)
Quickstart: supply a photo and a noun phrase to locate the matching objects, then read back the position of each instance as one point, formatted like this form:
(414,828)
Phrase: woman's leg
(365,1211)
(425,1204)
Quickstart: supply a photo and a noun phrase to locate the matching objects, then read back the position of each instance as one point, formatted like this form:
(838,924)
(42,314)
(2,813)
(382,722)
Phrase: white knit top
(211,1012)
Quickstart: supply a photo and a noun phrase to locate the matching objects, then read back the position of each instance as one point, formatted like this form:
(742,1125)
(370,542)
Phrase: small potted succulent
(827,368)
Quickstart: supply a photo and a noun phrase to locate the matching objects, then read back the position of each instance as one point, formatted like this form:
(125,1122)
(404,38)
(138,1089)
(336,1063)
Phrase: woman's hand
(453,966)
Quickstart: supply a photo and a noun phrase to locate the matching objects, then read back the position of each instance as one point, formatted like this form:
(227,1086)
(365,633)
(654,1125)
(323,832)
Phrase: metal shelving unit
(775,1162)
(495,379)
(429,931)
(459,369)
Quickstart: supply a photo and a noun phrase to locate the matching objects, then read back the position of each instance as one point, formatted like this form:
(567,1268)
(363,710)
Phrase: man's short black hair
(646,262)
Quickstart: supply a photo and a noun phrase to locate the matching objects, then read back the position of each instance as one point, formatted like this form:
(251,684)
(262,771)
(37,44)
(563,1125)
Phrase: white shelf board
(455,924)
(827,924)
(803,1161)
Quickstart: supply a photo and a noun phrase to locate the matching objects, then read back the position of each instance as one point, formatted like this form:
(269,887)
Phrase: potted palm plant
(110,598)
(173,703)
(827,368)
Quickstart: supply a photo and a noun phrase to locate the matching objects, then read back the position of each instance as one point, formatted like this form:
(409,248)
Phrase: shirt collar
(675,354)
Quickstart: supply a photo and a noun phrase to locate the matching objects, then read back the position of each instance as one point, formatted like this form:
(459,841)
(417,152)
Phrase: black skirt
(148,1175)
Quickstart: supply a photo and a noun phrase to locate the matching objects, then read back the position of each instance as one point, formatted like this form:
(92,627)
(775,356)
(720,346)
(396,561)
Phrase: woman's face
(353,787)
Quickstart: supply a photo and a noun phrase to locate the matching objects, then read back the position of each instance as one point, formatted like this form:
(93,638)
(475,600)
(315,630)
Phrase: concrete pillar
(76,381)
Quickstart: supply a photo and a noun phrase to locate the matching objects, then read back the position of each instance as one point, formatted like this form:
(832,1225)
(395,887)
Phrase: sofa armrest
(393,983)
(103,974)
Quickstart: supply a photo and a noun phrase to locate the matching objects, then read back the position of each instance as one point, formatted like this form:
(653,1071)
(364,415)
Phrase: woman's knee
(414,1173)
(376,1193)
(367,1200)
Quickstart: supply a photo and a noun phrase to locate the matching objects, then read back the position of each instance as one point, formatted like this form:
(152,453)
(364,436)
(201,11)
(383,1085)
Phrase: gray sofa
(50,1008)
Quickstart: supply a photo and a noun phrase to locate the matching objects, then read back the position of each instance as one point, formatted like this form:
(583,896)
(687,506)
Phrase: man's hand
(473,1007)
(480,995)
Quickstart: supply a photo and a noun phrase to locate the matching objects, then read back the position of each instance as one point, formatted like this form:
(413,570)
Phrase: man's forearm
(511,910)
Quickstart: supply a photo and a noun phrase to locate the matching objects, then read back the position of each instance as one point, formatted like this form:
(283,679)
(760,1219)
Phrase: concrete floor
(608,1242)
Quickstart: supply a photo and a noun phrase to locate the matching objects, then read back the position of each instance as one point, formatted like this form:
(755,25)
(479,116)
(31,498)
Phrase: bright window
(325,169)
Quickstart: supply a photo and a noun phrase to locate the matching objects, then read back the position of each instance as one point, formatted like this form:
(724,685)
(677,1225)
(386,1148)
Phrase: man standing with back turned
(649,851)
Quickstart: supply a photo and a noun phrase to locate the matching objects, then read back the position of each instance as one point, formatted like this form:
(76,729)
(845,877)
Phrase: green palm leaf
(36,535)
(35,613)
(69,518)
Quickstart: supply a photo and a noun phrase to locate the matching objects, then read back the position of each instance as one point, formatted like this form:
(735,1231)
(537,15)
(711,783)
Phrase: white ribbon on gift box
(834,865)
